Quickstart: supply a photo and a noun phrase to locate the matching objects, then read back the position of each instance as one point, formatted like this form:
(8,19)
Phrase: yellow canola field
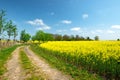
(102,57)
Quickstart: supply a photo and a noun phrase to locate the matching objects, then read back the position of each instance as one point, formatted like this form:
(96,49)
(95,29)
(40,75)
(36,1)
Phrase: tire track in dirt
(51,73)
(13,67)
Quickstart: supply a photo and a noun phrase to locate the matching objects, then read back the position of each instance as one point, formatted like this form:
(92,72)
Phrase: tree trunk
(8,41)
(14,40)
(0,43)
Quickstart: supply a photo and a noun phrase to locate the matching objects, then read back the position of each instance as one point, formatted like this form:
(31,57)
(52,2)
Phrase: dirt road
(15,72)
(13,67)
(53,74)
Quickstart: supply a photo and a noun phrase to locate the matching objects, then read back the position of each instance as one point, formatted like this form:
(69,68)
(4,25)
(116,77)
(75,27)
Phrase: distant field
(5,43)
(101,57)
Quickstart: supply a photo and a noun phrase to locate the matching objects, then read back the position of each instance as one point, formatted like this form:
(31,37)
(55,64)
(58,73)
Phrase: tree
(82,38)
(9,29)
(57,37)
(2,23)
(40,35)
(118,39)
(15,32)
(66,38)
(88,38)
(33,38)
(72,38)
(24,36)
(96,38)
(49,37)
(77,38)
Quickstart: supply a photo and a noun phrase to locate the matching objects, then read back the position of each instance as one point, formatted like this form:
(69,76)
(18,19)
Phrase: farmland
(80,60)
(100,57)
(60,40)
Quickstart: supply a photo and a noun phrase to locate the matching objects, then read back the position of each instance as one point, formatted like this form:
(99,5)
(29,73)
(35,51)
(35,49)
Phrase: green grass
(67,68)
(4,54)
(28,68)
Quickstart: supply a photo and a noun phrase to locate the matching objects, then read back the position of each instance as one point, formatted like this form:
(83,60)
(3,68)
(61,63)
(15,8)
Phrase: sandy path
(13,67)
(51,73)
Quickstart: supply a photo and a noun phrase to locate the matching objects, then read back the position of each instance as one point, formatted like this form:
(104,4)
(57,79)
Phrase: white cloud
(115,26)
(66,22)
(85,16)
(75,29)
(36,22)
(39,23)
(110,31)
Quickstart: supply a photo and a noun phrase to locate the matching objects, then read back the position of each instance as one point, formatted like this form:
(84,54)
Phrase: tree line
(43,36)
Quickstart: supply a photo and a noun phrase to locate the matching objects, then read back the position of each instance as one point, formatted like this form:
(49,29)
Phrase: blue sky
(82,17)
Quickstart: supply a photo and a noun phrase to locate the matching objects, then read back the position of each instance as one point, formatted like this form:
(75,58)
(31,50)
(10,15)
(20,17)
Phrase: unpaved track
(51,73)
(13,67)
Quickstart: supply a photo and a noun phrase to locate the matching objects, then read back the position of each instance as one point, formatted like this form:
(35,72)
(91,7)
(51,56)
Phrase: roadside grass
(28,67)
(4,55)
(61,65)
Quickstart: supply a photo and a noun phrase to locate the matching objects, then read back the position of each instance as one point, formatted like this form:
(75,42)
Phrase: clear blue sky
(83,17)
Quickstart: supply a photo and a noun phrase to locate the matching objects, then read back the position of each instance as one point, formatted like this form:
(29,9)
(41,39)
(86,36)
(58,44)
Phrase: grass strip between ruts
(28,67)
